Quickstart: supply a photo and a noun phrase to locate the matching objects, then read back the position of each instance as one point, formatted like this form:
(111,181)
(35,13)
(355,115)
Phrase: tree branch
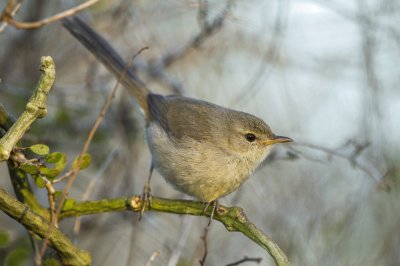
(233,218)
(69,254)
(35,108)
(8,18)
(23,190)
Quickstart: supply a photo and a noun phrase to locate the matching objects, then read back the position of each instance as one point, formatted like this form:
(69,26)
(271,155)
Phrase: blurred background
(324,73)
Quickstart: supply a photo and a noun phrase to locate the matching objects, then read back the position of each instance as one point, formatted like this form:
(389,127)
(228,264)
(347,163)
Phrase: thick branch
(70,255)
(35,108)
(23,190)
(233,218)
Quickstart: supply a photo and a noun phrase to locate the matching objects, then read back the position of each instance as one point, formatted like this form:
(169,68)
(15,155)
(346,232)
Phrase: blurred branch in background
(157,68)
(270,57)
(350,151)
(89,189)
(245,259)
(9,12)
(152,258)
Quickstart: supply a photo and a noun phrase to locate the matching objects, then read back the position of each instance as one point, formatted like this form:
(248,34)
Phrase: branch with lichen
(23,190)
(233,218)
(69,254)
(35,108)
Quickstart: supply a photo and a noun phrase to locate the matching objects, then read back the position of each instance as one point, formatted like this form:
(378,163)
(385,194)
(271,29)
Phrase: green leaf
(85,161)
(59,160)
(16,257)
(68,204)
(29,168)
(39,181)
(60,165)
(54,157)
(4,238)
(40,149)
(51,262)
(50,173)
(57,194)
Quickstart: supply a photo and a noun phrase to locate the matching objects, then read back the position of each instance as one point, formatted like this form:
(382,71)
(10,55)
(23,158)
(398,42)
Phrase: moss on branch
(233,218)
(69,254)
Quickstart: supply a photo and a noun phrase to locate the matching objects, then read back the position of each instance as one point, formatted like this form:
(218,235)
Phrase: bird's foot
(146,197)
(215,205)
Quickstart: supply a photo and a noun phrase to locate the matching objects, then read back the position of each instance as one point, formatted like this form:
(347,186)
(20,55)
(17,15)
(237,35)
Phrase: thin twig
(89,189)
(186,226)
(56,17)
(156,69)
(353,157)
(202,13)
(206,31)
(245,259)
(61,178)
(10,10)
(268,60)
(51,198)
(152,258)
(204,238)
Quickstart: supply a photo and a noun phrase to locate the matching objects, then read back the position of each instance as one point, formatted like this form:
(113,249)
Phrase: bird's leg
(214,207)
(146,195)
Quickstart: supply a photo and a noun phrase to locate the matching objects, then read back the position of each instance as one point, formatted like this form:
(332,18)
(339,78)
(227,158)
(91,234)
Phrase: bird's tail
(107,55)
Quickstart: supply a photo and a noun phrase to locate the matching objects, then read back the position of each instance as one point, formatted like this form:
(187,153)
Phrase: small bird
(202,149)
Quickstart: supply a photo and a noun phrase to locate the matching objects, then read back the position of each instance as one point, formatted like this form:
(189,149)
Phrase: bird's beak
(277,139)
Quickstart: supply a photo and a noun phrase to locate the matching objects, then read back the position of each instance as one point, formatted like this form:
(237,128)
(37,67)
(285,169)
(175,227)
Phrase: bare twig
(187,222)
(245,259)
(202,13)
(156,70)
(62,177)
(152,258)
(10,10)
(352,157)
(37,24)
(89,189)
(204,238)
(207,30)
(268,59)
(51,198)
(373,24)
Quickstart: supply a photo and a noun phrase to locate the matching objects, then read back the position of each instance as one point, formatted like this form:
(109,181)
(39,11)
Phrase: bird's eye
(250,137)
